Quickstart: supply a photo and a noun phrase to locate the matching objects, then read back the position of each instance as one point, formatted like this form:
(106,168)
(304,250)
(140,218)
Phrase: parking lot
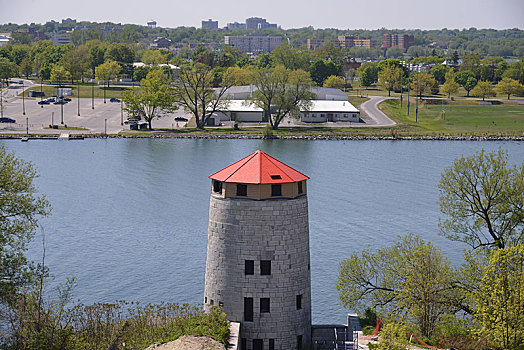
(104,117)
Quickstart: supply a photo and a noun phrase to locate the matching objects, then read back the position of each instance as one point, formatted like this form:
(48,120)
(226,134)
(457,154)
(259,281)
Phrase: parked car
(60,102)
(43,102)
(67,99)
(132,121)
(114,99)
(181,119)
(7,120)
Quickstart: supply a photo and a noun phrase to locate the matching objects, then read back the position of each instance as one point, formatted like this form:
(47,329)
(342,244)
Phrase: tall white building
(254,43)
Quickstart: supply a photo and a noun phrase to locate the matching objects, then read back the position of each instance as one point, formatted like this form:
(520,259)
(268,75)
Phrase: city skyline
(402,14)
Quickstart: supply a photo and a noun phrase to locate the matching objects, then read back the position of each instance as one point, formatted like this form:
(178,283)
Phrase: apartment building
(210,24)
(254,43)
(402,40)
(344,41)
(258,23)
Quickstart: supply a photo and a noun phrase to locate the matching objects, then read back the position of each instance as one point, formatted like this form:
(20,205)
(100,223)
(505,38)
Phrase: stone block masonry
(274,230)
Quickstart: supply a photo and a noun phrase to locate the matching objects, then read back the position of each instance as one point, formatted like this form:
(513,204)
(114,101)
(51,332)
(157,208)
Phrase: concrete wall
(276,230)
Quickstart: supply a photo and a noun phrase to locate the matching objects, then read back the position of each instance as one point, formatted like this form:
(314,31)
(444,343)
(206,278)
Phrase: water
(130,216)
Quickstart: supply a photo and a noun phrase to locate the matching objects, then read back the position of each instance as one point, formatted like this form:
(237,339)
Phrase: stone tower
(257,266)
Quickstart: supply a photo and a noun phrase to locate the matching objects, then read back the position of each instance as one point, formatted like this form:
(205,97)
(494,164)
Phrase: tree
(290,57)
(409,281)
(389,78)
(368,74)
(508,86)
(59,74)
(154,57)
(394,52)
(483,89)
(425,83)
(26,67)
(21,208)
(281,92)
(105,72)
(471,62)
(194,92)
(76,62)
(241,76)
(334,81)
(153,98)
(500,298)
(439,72)
(482,199)
(470,84)
(450,85)
(8,69)
(466,79)
(321,69)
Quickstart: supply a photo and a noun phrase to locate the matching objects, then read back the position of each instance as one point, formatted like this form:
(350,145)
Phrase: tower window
(265,267)
(249,267)
(271,344)
(248,309)
(264,305)
(299,301)
(217,186)
(300,189)
(258,344)
(276,190)
(276,177)
(243,344)
(242,190)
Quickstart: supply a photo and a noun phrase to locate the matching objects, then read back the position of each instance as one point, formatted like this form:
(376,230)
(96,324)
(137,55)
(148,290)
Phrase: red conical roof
(259,168)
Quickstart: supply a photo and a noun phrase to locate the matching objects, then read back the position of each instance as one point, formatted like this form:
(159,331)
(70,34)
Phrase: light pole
(105,127)
(61,111)
(409,84)
(401,86)
(2,98)
(23,97)
(78,97)
(93,92)
(27,126)
(41,92)
(416,97)
(121,110)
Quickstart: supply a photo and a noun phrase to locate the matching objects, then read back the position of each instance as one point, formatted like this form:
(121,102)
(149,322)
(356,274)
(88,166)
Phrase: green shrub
(367,330)
(267,132)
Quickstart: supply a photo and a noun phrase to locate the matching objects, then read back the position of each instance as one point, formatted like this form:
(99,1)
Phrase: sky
(342,14)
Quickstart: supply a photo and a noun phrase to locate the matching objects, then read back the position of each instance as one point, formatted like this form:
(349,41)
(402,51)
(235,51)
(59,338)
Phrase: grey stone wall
(276,230)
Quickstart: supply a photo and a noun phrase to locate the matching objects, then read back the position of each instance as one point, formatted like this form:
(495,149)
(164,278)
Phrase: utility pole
(27,126)
(105,127)
(409,84)
(401,86)
(93,92)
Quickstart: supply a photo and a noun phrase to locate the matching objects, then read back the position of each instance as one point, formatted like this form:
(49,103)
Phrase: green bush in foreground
(105,326)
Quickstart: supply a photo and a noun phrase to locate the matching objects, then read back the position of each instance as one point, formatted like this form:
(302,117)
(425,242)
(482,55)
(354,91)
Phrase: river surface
(130,216)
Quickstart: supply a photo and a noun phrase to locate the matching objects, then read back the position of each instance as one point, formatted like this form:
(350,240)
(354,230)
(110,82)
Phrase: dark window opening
(299,301)
(276,190)
(299,342)
(241,190)
(249,267)
(212,302)
(205,300)
(300,189)
(271,344)
(265,267)
(217,186)
(276,177)
(243,344)
(258,344)
(264,305)
(221,304)
(248,309)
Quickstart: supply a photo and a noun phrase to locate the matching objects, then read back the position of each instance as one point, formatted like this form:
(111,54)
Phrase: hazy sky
(343,14)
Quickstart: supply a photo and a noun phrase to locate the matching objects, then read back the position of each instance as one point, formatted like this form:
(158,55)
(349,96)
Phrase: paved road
(370,109)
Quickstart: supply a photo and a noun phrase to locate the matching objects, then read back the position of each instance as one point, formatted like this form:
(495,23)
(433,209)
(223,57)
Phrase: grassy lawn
(85,91)
(357,100)
(461,117)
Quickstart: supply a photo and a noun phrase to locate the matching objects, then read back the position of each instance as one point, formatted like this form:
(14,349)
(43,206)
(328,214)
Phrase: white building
(4,39)
(322,111)
(60,39)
